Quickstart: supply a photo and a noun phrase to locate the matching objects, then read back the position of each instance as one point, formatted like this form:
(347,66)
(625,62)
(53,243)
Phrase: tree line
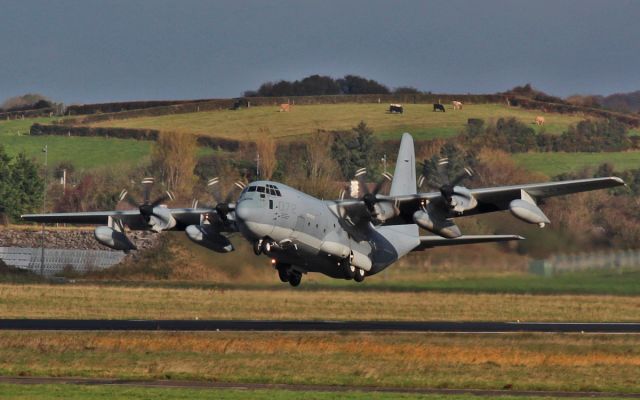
(319,85)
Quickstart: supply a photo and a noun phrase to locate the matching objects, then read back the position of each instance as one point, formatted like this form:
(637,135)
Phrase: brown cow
(285,107)
(539,120)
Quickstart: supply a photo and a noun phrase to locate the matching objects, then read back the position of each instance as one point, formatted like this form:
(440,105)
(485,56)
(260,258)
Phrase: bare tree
(175,155)
(266,147)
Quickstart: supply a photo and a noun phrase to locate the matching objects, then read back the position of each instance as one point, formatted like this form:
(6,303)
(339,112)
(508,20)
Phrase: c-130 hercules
(346,238)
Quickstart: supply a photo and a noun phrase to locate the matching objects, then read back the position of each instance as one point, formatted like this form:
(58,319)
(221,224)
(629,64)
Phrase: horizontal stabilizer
(427,242)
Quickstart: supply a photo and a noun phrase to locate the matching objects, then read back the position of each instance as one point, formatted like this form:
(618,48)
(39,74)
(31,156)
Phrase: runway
(315,326)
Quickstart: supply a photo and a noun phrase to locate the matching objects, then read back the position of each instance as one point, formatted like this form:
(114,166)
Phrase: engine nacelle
(442,227)
(528,212)
(385,210)
(161,219)
(462,200)
(206,236)
(113,239)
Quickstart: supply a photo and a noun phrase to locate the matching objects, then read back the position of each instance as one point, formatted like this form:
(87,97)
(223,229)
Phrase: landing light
(273,261)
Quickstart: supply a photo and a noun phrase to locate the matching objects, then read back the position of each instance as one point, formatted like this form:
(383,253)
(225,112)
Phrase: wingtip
(618,179)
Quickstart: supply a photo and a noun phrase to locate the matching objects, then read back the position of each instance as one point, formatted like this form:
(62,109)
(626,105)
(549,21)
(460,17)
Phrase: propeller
(157,218)
(369,197)
(224,205)
(381,210)
(458,198)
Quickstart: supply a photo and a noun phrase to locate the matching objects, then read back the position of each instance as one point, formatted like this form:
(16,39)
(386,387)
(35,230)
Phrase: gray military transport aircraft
(345,238)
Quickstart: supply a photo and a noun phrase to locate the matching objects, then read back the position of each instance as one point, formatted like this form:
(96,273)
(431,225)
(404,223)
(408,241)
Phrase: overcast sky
(94,51)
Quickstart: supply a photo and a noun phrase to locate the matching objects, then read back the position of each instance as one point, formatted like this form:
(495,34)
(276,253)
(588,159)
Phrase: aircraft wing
(427,242)
(498,198)
(82,218)
(131,218)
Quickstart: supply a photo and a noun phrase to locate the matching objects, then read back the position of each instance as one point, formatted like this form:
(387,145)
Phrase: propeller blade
(442,170)
(166,196)
(360,176)
(468,172)
(148,185)
(213,182)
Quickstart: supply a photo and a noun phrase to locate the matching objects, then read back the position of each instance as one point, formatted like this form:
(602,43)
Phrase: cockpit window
(272,192)
(278,193)
(252,188)
(261,189)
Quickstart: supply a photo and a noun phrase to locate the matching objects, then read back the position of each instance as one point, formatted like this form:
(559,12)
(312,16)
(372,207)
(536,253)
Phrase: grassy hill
(418,119)
(248,124)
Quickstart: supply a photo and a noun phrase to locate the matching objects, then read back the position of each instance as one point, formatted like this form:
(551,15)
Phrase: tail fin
(404,182)
(404,177)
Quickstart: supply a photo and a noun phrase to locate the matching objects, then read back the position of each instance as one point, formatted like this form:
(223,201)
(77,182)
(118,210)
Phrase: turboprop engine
(113,239)
(206,236)
(159,218)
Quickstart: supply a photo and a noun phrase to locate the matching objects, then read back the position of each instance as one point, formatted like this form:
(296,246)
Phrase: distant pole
(45,150)
(384,162)
(258,165)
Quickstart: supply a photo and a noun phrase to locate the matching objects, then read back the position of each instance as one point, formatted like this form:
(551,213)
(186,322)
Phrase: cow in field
(285,107)
(396,108)
(457,105)
(539,120)
(438,107)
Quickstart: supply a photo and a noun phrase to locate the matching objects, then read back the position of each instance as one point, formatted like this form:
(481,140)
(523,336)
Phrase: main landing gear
(287,274)
(350,271)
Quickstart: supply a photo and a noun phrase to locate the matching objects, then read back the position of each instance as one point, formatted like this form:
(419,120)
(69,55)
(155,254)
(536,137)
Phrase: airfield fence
(560,263)
(57,261)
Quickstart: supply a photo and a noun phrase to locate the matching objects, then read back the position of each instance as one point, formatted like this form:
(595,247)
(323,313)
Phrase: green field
(552,164)
(418,119)
(83,152)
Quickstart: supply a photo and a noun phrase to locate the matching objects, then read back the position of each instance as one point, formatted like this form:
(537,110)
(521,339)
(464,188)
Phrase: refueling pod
(527,210)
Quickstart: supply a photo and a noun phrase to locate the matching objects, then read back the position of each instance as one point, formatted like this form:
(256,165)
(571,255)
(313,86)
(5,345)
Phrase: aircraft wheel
(283,272)
(348,270)
(257,247)
(266,247)
(295,278)
(359,277)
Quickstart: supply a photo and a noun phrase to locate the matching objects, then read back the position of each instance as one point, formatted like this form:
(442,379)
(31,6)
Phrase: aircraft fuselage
(304,232)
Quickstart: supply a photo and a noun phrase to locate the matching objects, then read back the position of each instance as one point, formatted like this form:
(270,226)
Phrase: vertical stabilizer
(404,177)
(403,237)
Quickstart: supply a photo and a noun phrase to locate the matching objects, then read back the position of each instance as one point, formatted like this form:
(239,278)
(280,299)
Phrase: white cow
(457,105)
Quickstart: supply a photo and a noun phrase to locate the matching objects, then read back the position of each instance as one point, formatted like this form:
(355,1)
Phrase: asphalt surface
(314,326)
(204,385)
